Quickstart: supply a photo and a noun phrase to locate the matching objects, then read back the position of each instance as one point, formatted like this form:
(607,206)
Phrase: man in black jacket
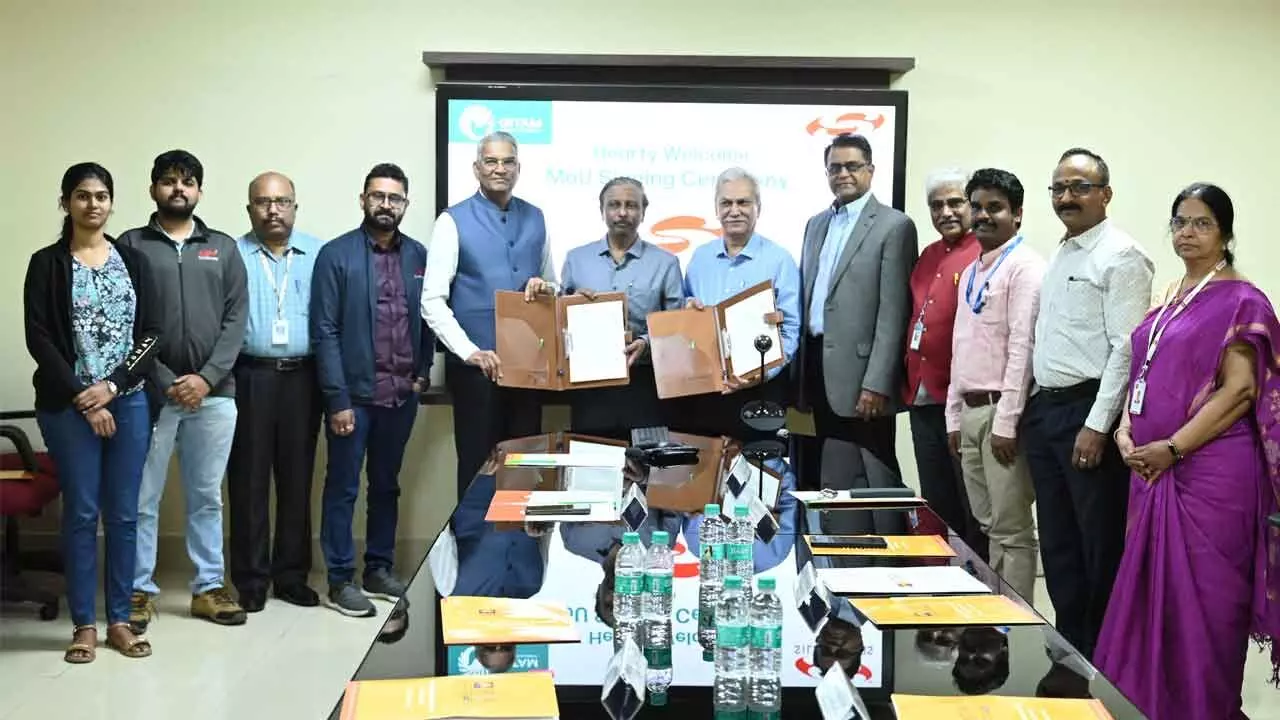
(199,284)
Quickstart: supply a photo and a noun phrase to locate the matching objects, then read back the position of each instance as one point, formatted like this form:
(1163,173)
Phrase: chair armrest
(22,445)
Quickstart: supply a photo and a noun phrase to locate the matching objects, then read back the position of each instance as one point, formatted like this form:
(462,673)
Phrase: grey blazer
(865,317)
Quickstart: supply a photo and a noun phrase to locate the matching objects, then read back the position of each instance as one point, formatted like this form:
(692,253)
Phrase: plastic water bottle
(740,543)
(658,566)
(710,577)
(764,688)
(628,590)
(731,650)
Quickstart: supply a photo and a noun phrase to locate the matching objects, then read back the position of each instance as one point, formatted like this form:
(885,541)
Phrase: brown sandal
(120,638)
(79,652)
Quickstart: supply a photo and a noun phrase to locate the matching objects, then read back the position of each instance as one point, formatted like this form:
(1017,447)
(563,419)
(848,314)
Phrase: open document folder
(519,506)
(695,351)
(945,580)
(561,343)
(505,621)
(960,611)
(992,707)
(520,696)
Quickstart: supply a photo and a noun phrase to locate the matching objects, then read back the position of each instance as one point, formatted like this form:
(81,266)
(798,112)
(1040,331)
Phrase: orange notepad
(947,611)
(502,621)
(522,696)
(899,546)
(990,707)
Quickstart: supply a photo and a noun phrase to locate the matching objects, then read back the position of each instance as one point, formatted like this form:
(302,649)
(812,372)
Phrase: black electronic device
(650,437)
(860,542)
(881,492)
(539,510)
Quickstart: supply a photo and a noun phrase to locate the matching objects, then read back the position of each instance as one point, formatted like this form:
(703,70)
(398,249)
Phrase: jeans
(382,433)
(203,438)
(99,476)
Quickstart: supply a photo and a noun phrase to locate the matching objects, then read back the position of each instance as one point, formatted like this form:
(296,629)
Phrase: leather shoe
(299,595)
(253,600)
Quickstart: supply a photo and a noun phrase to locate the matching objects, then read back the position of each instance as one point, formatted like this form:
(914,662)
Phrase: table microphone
(764,415)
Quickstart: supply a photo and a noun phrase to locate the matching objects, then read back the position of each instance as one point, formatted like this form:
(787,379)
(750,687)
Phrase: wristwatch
(112,387)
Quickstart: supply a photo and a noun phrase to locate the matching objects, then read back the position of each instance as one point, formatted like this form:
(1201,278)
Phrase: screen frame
(447,91)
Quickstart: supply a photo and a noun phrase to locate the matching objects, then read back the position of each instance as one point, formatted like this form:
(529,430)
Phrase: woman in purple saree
(1201,430)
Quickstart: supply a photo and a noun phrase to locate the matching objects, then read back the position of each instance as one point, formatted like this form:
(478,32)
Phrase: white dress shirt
(442,266)
(1096,290)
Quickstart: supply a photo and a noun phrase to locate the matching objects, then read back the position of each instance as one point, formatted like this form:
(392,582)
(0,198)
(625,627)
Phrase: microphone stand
(764,416)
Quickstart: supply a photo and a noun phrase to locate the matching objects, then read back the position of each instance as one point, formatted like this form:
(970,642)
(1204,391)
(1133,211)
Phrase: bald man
(278,402)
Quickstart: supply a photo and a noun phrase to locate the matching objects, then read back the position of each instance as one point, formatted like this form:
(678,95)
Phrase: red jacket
(933,289)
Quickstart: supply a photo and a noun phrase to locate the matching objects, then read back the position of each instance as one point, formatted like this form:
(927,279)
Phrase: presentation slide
(569,148)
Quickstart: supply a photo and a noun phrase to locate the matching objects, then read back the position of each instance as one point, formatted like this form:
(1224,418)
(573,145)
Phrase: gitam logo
(463,660)
(528,121)
(850,122)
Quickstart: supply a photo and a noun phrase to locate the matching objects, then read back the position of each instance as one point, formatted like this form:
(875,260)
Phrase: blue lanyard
(976,304)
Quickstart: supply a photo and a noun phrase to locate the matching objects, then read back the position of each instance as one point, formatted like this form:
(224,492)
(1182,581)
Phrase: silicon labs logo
(808,668)
(463,661)
(850,122)
(529,121)
(681,232)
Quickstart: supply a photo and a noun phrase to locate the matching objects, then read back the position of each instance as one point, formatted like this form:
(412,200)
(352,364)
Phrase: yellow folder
(520,696)
(963,611)
(989,707)
(500,621)
(899,546)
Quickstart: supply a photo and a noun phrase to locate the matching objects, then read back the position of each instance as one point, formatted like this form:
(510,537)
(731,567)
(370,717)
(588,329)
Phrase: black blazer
(47,316)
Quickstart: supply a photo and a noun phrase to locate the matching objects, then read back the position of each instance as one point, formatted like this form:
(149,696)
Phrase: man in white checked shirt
(1096,290)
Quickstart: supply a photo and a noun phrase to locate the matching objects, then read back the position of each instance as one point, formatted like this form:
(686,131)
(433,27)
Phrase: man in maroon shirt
(934,303)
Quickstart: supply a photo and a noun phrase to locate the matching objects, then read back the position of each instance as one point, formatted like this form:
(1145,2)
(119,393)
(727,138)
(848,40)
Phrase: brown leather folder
(690,348)
(532,340)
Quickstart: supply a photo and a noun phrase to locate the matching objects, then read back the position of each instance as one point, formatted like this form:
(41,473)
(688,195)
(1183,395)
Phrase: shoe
(253,600)
(380,583)
(142,608)
(298,594)
(216,606)
(348,600)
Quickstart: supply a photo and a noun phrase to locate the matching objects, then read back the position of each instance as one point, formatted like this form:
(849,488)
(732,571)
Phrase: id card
(1137,397)
(917,333)
(280,332)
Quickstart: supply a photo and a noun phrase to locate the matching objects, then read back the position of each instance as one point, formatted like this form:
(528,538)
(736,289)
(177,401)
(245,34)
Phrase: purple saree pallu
(1201,567)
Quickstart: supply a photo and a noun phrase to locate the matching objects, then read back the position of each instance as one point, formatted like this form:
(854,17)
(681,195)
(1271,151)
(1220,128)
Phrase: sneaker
(348,600)
(142,608)
(380,583)
(217,606)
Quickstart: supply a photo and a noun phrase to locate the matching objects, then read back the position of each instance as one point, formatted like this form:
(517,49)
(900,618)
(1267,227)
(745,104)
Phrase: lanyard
(1157,330)
(975,304)
(283,288)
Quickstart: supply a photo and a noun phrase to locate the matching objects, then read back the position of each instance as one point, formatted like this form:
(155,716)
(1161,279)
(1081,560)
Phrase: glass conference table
(565,562)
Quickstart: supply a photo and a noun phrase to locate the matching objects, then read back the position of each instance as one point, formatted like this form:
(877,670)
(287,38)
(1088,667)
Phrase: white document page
(743,323)
(596,478)
(596,341)
(948,580)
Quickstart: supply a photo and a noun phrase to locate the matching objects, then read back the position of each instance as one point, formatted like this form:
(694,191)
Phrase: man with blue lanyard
(278,418)
(994,332)
(722,268)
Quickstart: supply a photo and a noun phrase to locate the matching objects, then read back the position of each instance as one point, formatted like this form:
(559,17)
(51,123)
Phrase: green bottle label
(766,637)
(740,552)
(658,657)
(714,551)
(732,636)
(628,584)
(658,584)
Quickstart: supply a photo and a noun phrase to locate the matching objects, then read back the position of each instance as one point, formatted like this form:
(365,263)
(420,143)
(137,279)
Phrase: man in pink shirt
(999,297)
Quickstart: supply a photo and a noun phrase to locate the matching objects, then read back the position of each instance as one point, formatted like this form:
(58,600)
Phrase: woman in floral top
(93,336)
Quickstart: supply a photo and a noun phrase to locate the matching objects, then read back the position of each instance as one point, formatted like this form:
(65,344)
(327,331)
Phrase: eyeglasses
(492,163)
(265,203)
(1077,189)
(852,166)
(1200,224)
(378,197)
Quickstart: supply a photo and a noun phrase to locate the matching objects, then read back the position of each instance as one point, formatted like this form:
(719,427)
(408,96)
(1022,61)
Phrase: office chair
(24,496)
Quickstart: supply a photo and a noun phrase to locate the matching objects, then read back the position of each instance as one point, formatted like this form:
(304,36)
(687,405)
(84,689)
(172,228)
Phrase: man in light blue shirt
(278,404)
(623,262)
(722,268)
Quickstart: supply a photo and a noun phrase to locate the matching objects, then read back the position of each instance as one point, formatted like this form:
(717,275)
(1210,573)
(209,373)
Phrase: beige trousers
(1001,498)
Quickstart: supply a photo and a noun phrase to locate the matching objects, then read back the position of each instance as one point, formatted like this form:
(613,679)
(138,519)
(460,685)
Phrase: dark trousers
(378,442)
(100,478)
(714,414)
(612,412)
(1081,513)
(941,480)
(278,411)
(878,435)
(485,414)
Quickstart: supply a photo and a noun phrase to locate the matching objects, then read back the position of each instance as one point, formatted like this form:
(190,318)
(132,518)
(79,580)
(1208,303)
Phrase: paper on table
(596,478)
(588,459)
(596,341)
(815,497)
(921,707)
(743,323)
(947,580)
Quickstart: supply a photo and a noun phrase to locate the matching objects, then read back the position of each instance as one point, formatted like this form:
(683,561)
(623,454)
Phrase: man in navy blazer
(373,354)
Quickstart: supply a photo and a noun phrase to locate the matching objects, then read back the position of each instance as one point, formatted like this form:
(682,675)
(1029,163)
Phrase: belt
(288,364)
(1086,390)
(981,399)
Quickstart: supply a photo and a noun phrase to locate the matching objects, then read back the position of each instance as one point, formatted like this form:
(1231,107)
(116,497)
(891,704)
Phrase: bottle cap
(659,537)
(740,511)
(733,582)
(657,699)
(630,538)
(711,510)
(768,583)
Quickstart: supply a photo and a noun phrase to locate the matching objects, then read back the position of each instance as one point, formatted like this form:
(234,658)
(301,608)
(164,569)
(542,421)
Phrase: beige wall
(1169,92)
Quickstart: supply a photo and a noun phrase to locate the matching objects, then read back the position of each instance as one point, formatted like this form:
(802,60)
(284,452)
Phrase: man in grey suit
(855,270)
